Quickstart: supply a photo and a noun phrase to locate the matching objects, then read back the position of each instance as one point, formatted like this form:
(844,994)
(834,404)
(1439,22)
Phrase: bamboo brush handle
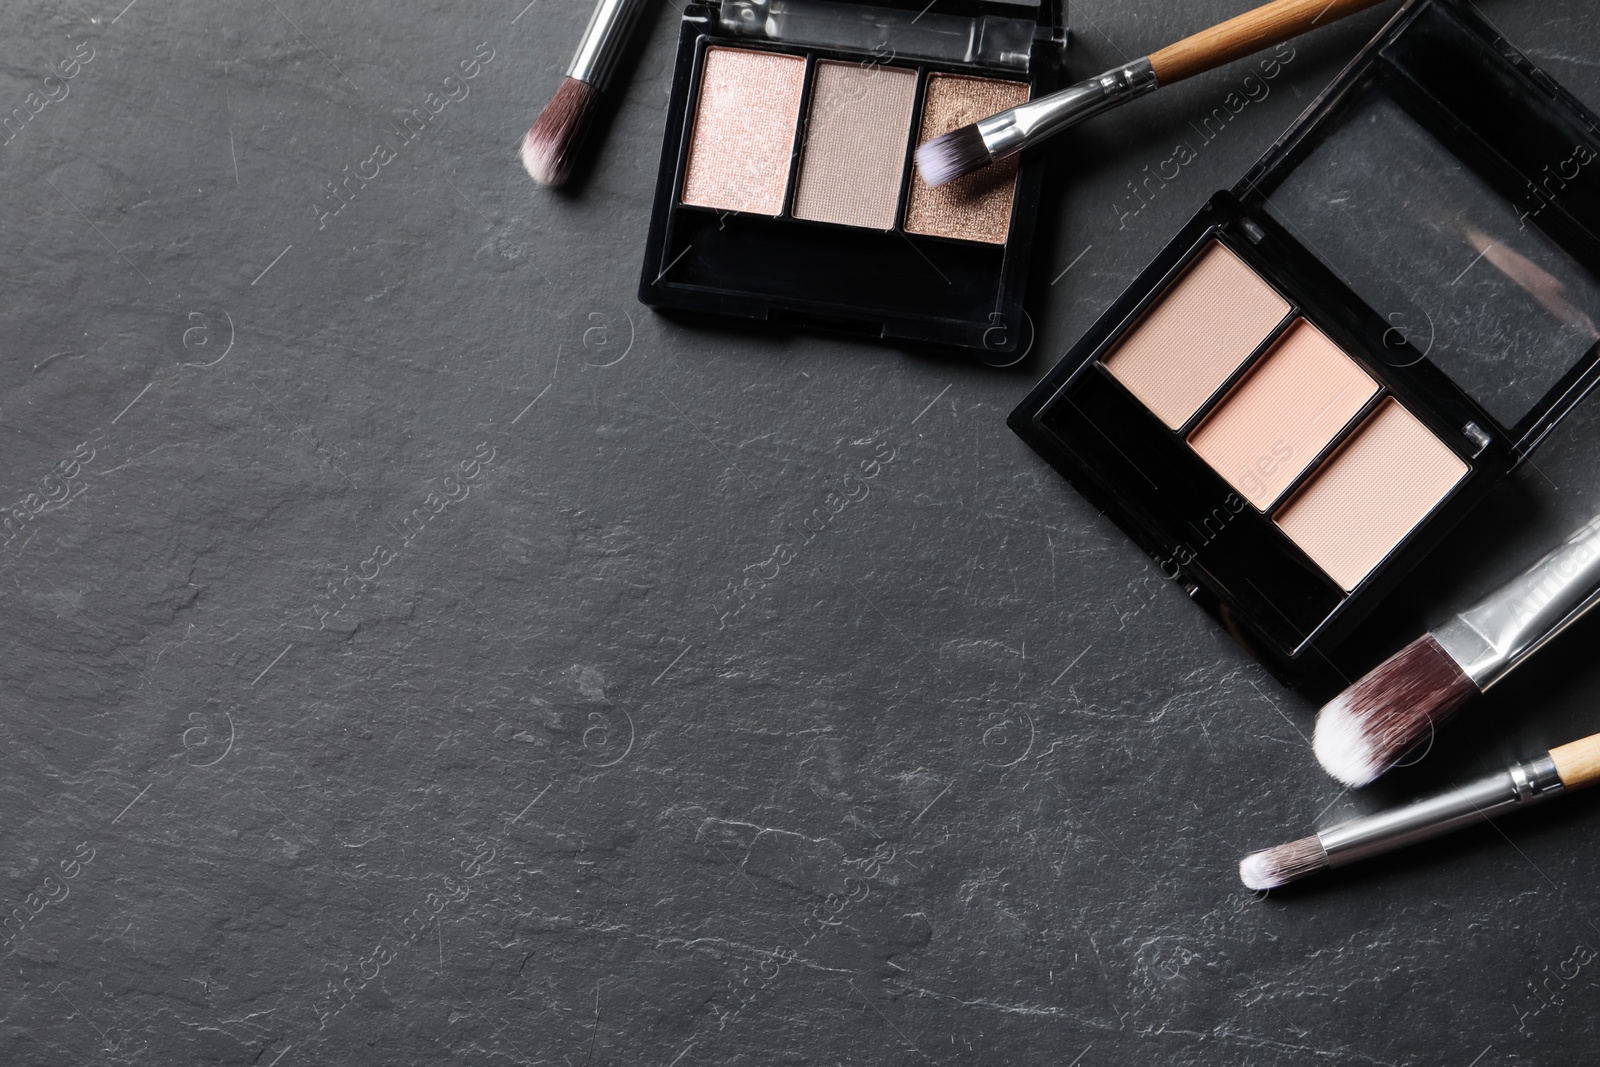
(1250,32)
(1578,762)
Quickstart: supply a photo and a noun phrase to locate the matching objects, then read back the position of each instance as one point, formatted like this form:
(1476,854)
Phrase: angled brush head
(1282,864)
(1362,732)
(550,148)
(949,156)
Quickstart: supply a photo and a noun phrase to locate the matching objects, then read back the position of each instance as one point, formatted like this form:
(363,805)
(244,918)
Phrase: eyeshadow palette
(787,192)
(1280,413)
(1337,358)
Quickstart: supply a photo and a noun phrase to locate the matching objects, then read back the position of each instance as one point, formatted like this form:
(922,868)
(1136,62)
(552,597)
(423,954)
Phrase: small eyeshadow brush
(1566,767)
(551,145)
(970,148)
(1362,732)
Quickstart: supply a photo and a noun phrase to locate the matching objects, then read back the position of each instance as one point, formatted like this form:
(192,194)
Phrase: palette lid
(998,34)
(1455,188)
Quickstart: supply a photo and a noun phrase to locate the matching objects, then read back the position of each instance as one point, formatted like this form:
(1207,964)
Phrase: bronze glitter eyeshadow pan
(787,191)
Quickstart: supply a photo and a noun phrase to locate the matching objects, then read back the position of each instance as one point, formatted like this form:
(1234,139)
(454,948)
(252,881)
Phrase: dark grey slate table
(372,692)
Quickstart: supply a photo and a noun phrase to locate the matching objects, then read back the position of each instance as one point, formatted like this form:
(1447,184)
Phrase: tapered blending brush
(970,148)
(1364,730)
(551,145)
(1566,767)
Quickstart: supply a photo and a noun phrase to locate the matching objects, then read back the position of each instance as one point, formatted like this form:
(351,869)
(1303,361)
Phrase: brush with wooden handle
(1563,768)
(970,148)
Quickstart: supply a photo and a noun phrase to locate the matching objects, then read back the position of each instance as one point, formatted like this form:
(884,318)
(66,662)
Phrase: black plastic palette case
(787,191)
(1336,359)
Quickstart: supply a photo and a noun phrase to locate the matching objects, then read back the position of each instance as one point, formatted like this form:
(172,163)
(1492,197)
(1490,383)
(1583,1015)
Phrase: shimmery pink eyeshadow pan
(744,129)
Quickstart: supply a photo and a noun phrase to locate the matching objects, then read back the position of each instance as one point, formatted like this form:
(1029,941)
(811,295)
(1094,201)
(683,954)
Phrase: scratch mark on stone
(671,665)
(1582,61)
(78,1011)
(532,402)
(53,355)
(280,255)
(1253,1041)
(131,803)
(529,808)
(1074,663)
(132,402)
(1276,1011)
(932,802)
(1330,804)
(1273,704)
(1040,1011)
(932,402)
(594,1035)
(274,663)
(892,1026)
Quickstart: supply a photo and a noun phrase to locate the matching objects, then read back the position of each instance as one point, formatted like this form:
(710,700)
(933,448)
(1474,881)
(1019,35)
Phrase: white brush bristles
(550,147)
(949,156)
(1362,732)
(1341,743)
(1282,864)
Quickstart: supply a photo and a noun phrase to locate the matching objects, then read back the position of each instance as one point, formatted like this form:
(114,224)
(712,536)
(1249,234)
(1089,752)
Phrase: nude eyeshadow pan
(1388,475)
(744,130)
(844,178)
(1203,327)
(1281,415)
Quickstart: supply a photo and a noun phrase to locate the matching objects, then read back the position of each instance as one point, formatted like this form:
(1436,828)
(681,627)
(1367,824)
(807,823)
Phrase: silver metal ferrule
(604,41)
(1503,629)
(1011,131)
(1525,783)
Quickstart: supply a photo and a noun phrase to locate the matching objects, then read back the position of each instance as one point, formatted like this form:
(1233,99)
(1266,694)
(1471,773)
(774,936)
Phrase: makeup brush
(1568,766)
(970,148)
(1362,732)
(550,148)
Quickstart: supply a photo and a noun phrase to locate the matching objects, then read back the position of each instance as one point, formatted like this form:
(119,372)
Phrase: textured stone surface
(376,695)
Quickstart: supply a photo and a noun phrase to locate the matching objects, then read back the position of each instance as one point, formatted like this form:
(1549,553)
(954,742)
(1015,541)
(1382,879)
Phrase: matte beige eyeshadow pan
(1283,413)
(855,150)
(744,125)
(1196,334)
(976,207)
(1370,494)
